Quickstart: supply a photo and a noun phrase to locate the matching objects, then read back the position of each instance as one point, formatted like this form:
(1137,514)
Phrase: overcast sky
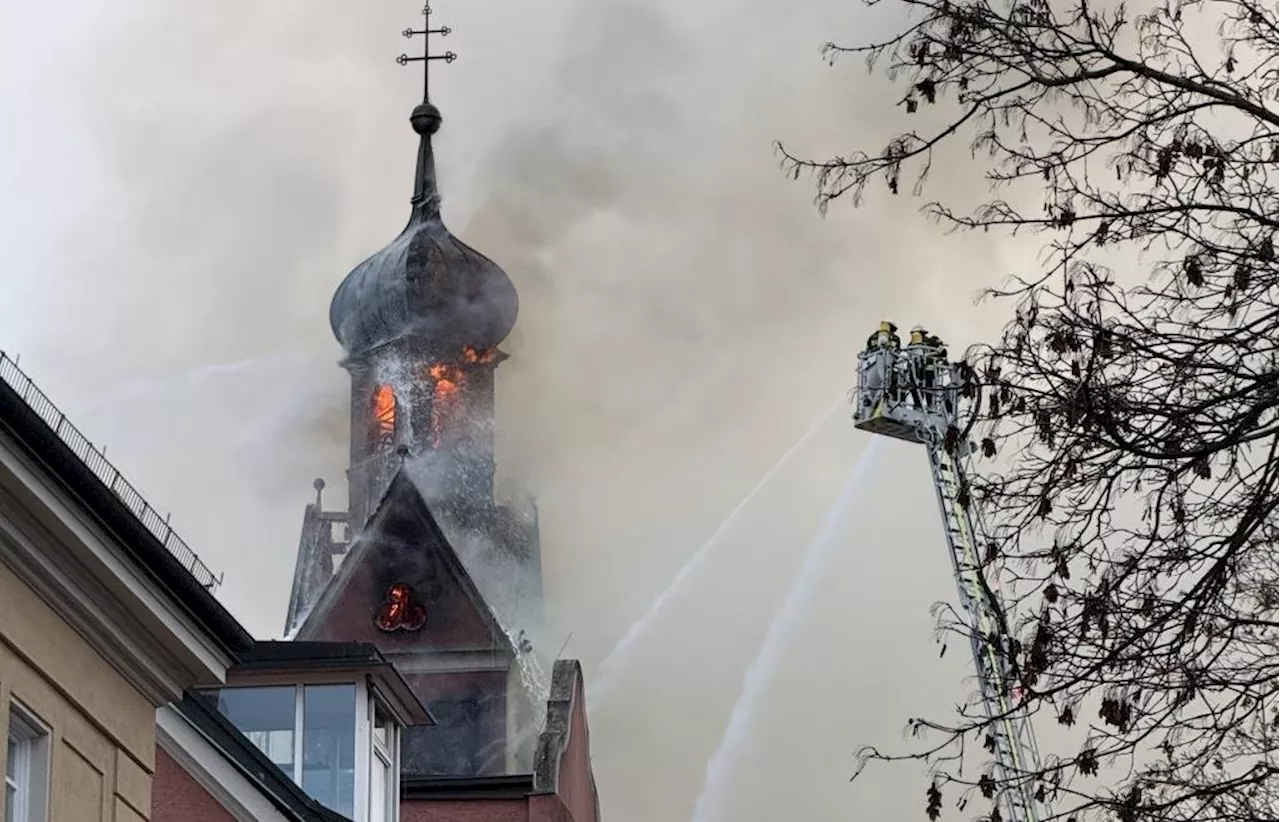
(183,186)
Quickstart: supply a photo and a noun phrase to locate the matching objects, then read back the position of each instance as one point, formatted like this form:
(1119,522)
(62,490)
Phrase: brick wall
(176,797)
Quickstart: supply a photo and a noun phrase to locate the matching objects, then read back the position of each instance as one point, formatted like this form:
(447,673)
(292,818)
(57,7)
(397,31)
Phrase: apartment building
(101,622)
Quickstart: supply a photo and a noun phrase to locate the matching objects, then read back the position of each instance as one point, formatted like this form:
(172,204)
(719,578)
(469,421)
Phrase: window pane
(266,717)
(378,791)
(17,772)
(329,736)
(26,767)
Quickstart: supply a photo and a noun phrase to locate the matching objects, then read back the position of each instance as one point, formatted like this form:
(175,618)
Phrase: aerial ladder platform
(911,392)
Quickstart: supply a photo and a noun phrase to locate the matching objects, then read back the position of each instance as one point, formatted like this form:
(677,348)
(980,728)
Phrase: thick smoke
(186,184)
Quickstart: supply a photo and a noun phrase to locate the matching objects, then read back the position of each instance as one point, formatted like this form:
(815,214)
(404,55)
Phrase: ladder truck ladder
(912,393)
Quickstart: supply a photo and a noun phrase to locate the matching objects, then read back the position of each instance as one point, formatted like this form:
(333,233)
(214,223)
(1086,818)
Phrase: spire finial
(426,121)
(426,57)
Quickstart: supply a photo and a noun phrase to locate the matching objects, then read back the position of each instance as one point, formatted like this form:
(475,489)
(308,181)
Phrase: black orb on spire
(425,119)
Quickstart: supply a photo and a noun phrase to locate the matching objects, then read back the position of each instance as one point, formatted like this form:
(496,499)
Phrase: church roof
(403,501)
(426,283)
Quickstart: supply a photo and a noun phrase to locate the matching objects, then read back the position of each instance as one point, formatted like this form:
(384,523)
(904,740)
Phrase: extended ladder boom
(912,393)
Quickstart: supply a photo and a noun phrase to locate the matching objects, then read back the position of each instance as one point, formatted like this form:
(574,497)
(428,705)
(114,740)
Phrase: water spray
(715,787)
(607,669)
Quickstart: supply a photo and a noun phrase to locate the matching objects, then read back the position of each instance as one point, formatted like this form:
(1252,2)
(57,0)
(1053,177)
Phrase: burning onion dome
(427,284)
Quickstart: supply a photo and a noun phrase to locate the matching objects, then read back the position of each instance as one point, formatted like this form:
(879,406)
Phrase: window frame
(27,748)
(357,696)
(385,755)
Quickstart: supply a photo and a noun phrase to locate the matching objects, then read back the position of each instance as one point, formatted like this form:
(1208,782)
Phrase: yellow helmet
(888,327)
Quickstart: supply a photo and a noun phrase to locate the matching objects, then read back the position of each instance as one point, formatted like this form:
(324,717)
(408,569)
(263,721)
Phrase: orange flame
(400,611)
(445,373)
(444,398)
(384,415)
(471,354)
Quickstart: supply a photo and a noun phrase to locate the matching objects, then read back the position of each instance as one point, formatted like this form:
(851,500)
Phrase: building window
(308,731)
(380,782)
(267,717)
(384,417)
(454,745)
(446,410)
(26,767)
(329,739)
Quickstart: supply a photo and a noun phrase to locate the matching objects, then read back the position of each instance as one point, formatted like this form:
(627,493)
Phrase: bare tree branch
(1131,409)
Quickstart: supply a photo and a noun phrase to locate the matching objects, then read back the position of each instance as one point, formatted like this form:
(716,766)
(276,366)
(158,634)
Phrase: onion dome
(426,284)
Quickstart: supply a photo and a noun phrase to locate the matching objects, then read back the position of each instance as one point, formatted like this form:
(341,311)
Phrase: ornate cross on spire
(426,57)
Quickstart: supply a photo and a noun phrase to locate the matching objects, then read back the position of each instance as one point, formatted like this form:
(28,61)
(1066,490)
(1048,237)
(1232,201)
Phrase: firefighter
(939,364)
(891,332)
(871,375)
(923,372)
(933,341)
(885,337)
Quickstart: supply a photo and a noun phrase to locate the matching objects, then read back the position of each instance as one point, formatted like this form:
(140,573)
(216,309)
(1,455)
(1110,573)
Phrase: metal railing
(96,462)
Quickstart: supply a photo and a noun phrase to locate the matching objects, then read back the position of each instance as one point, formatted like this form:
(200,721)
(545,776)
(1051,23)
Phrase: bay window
(332,738)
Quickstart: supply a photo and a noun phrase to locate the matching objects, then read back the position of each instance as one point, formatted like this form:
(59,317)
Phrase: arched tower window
(446,400)
(384,417)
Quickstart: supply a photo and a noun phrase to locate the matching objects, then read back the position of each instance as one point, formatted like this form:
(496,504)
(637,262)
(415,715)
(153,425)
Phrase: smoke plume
(186,184)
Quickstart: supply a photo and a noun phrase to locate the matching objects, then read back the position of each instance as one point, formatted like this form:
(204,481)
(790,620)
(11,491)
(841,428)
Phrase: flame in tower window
(444,400)
(384,416)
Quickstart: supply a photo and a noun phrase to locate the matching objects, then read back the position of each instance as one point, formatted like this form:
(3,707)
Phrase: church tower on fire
(425,563)
(420,322)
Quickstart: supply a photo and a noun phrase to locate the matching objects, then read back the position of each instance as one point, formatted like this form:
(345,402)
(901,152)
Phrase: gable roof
(401,499)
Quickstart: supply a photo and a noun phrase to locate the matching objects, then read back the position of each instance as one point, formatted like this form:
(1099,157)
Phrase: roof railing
(96,462)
